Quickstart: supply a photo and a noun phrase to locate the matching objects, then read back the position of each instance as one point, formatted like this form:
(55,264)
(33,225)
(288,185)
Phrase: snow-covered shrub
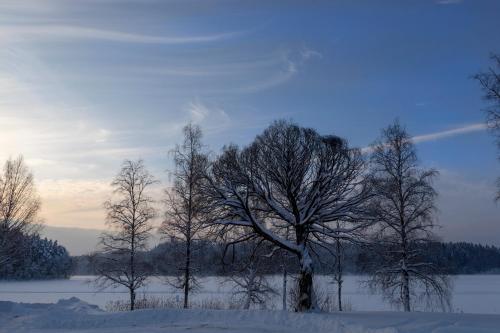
(169,302)
(150,302)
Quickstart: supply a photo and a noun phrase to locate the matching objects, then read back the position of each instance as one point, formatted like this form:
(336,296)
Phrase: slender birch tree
(129,217)
(185,208)
(490,83)
(404,207)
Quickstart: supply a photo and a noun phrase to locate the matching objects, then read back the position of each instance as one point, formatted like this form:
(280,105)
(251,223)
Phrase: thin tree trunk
(187,273)
(132,271)
(285,273)
(405,286)
(339,274)
(339,292)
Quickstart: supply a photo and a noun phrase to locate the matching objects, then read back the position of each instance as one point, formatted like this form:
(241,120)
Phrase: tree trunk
(132,271)
(305,301)
(405,285)
(339,292)
(248,299)
(285,273)
(406,291)
(132,299)
(339,272)
(187,273)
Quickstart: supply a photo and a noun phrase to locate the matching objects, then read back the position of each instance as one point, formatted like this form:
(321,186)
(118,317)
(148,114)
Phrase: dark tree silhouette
(290,177)
(129,217)
(403,205)
(186,208)
(19,207)
(490,84)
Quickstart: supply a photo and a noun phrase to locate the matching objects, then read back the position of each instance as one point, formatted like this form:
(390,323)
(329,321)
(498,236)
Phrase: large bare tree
(185,207)
(129,217)
(290,177)
(490,84)
(19,207)
(404,206)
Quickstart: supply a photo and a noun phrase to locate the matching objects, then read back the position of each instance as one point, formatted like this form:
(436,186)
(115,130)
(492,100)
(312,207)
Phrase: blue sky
(84,85)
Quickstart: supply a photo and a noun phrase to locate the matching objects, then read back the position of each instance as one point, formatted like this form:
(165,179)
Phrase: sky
(87,84)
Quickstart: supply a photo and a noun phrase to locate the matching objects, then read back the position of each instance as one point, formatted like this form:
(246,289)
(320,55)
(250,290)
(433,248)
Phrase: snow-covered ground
(472,293)
(73,315)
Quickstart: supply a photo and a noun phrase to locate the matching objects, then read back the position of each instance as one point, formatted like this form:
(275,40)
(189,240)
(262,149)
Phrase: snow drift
(77,316)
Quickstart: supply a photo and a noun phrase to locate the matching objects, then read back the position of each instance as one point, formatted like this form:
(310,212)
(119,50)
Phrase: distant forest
(209,259)
(38,258)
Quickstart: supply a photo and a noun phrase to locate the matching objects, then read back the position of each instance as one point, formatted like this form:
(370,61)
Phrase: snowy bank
(77,316)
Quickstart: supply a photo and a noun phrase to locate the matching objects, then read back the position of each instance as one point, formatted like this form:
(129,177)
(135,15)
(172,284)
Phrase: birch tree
(290,177)
(404,207)
(185,209)
(129,217)
(490,84)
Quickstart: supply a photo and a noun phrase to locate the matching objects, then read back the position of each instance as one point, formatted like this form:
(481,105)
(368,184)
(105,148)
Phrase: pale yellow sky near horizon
(79,203)
(74,203)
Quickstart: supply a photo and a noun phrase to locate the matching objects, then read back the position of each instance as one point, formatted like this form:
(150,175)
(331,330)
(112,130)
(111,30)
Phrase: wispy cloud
(448,2)
(448,133)
(73,32)
(228,67)
(291,63)
(230,74)
(212,119)
(440,135)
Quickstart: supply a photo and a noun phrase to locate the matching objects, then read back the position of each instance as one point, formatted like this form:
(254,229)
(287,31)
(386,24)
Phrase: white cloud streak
(72,32)
(448,133)
(441,135)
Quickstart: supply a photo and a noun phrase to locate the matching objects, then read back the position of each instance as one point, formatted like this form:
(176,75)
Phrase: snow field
(472,293)
(74,315)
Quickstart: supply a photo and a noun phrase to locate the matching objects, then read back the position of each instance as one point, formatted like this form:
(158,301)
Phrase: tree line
(456,258)
(292,193)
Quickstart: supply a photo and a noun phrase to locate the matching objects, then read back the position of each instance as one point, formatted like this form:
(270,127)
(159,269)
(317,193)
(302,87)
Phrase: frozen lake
(472,293)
